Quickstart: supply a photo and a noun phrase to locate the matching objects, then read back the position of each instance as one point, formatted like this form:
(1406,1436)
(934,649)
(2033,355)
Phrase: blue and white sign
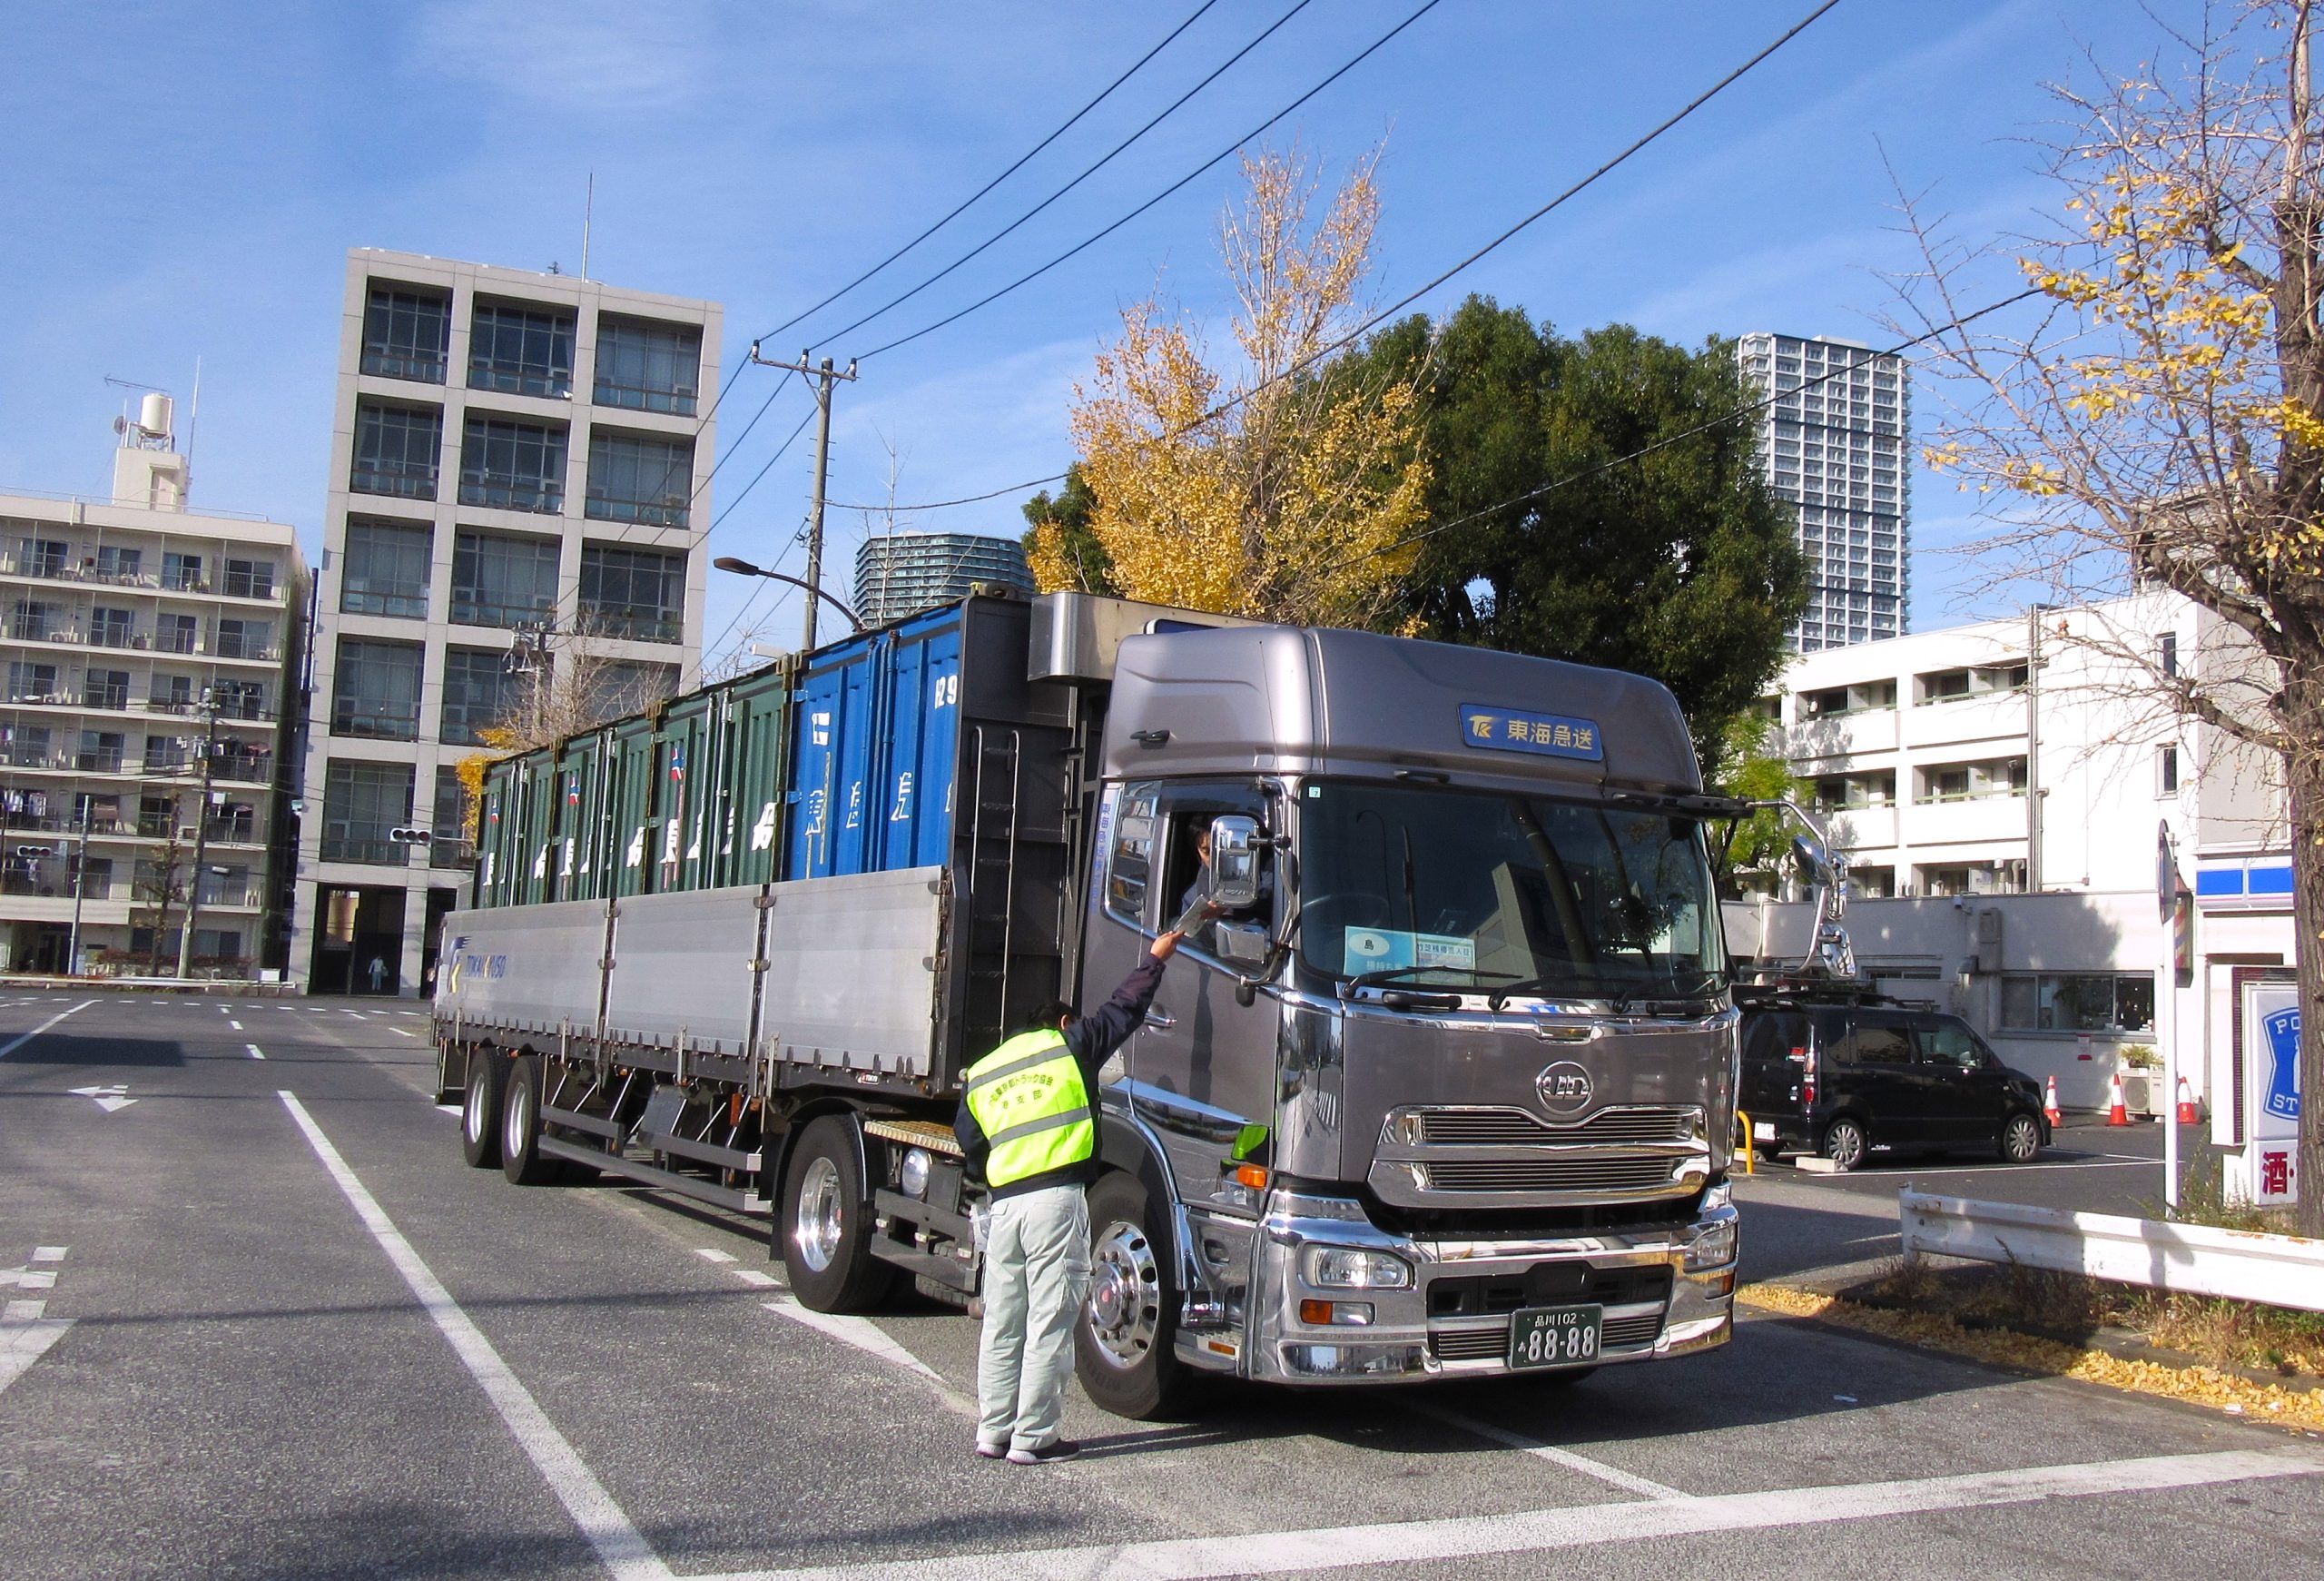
(1396,950)
(1543,734)
(2280,1096)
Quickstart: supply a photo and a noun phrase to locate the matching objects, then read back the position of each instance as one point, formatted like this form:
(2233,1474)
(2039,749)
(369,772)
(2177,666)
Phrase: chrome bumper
(1400,1338)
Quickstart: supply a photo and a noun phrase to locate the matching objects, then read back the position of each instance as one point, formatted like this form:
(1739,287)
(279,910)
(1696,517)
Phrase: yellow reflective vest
(1028,1099)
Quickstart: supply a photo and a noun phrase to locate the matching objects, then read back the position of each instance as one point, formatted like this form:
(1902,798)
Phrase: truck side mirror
(1814,861)
(1234,844)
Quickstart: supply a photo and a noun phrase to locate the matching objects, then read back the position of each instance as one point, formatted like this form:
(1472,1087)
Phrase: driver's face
(1201,846)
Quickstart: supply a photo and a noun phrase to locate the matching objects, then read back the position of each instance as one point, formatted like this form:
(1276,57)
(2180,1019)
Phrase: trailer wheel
(480,1109)
(1124,1345)
(825,1222)
(520,1127)
(446,1090)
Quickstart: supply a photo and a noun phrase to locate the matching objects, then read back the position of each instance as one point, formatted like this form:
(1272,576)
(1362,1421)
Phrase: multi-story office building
(902,573)
(2000,790)
(150,652)
(1832,441)
(512,454)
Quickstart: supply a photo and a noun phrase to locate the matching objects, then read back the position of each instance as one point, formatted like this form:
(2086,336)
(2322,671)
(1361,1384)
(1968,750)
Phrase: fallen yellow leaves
(2201,1386)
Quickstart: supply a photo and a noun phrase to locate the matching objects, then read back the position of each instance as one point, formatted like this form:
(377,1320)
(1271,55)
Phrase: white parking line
(254,1048)
(235,1024)
(43,1027)
(1553,1530)
(402,1033)
(450,1109)
(712,1254)
(759,1277)
(619,1545)
(1529,1445)
(860,1332)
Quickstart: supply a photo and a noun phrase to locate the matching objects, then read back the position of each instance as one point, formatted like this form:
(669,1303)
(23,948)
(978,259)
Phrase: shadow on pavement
(59,1050)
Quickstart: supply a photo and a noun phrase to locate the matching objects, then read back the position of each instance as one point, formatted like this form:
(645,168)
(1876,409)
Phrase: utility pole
(823,376)
(201,832)
(80,882)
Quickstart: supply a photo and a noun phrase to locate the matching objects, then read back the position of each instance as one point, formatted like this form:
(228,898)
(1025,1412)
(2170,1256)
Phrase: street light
(744,568)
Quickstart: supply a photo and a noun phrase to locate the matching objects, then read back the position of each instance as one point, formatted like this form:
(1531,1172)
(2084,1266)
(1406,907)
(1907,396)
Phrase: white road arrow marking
(106,1098)
(25,1336)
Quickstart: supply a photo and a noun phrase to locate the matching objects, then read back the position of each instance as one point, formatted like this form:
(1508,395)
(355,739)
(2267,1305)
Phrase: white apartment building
(151,652)
(1832,442)
(2001,789)
(512,454)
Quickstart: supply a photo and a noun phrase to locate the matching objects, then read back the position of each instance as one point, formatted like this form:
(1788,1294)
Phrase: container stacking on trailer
(1452,1094)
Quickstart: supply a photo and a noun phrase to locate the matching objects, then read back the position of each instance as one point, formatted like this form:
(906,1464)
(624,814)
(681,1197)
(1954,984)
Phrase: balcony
(1854,829)
(1996,715)
(1841,734)
(380,853)
(1995,816)
(396,482)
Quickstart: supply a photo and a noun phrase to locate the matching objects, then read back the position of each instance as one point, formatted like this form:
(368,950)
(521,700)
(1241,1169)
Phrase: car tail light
(1806,1058)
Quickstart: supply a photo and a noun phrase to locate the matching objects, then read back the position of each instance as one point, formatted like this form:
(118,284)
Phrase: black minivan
(1848,1080)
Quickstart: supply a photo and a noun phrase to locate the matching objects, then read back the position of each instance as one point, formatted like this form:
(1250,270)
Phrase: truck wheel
(2020,1138)
(480,1109)
(1123,1346)
(1846,1144)
(520,1127)
(447,1090)
(825,1222)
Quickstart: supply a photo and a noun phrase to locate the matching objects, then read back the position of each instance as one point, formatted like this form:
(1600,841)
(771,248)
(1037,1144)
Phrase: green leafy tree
(1060,544)
(1679,564)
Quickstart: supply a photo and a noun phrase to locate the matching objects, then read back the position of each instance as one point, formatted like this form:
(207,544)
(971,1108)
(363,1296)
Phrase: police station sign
(2268,1169)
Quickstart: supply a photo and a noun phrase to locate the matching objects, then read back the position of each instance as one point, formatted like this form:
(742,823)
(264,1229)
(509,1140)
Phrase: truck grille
(1545,1174)
(1492,1344)
(1515,1128)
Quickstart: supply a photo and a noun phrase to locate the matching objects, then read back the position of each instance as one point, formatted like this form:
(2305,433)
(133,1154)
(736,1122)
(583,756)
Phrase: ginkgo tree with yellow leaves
(1282,487)
(2160,423)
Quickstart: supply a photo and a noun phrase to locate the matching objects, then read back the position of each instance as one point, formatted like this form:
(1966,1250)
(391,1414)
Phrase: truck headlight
(912,1174)
(1353,1268)
(1713,1244)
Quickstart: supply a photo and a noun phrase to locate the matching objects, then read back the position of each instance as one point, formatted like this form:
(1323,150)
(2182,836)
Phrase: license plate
(1554,1336)
(1763,1130)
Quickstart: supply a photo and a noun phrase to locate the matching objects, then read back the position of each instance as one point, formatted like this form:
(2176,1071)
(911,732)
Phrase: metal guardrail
(2280,1270)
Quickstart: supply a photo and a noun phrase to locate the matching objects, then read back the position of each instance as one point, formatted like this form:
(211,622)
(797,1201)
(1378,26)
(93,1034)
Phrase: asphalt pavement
(261,1321)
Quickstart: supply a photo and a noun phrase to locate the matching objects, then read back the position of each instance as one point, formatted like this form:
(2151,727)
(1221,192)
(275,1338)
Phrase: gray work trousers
(1036,1276)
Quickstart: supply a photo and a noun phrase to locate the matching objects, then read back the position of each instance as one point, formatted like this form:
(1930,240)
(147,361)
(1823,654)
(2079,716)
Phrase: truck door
(1203,1068)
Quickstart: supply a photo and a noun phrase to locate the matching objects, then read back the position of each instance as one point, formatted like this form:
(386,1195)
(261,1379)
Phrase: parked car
(1848,1077)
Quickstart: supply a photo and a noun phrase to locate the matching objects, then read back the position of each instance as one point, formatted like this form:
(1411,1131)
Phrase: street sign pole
(2166,897)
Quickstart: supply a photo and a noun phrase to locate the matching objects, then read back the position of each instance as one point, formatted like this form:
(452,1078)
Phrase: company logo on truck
(1564,1088)
(1543,734)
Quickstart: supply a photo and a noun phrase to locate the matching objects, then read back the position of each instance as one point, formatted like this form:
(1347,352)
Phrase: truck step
(726,1196)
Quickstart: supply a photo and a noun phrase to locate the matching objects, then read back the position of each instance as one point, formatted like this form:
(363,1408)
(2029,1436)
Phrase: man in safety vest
(1029,1122)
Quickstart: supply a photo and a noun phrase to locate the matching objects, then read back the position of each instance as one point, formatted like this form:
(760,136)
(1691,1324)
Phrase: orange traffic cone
(2189,1113)
(2116,1114)
(2050,1103)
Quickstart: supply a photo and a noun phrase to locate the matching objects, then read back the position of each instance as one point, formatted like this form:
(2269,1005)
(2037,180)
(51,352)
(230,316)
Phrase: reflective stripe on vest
(1028,1099)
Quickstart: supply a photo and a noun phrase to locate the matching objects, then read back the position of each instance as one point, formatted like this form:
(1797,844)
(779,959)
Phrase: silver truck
(1447,1090)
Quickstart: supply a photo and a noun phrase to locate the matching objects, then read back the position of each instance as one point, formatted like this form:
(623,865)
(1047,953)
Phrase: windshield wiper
(1621,1000)
(1372,979)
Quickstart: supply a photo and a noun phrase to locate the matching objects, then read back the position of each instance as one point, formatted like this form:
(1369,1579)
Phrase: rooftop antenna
(588,212)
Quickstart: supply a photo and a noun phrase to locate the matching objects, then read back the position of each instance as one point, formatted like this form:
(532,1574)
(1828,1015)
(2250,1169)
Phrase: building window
(635,479)
(396,450)
(110,628)
(172,694)
(2002,877)
(238,699)
(100,752)
(243,638)
(2166,771)
(479,692)
(633,593)
(386,570)
(2167,652)
(1872,883)
(646,366)
(32,683)
(362,804)
(250,579)
(375,691)
(119,565)
(40,557)
(450,846)
(615,690)
(512,466)
(30,622)
(520,351)
(104,689)
(167,754)
(182,573)
(28,748)
(177,632)
(501,579)
(406,332)
(1865,698)
(2102,1001)
(1964,781)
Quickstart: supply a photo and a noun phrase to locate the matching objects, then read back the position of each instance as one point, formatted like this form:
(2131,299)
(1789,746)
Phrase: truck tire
(825,1222)
(480,1109)
(1124,1346)
(447,1090)
(520,1127)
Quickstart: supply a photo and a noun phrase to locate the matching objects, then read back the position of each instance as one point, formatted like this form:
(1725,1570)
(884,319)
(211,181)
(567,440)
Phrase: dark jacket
(1092,1041)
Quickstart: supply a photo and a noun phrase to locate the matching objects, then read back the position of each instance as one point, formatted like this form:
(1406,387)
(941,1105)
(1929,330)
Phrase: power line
(806,417)
(1343,341)
(1169,191)
(1297,6)
(1063,127)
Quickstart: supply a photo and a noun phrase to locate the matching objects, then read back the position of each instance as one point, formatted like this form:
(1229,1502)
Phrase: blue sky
(183,179)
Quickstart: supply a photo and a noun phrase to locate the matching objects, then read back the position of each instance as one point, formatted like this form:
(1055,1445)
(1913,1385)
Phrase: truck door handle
(1157,1018)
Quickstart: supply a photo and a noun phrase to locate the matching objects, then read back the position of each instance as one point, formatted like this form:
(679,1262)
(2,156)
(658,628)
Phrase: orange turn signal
(1315,1311)
(1252,1175)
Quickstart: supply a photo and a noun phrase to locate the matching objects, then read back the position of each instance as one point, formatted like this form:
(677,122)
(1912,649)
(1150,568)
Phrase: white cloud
(595,54)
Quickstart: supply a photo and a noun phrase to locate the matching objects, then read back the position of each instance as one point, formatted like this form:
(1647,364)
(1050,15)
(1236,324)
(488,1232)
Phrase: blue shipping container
(875,751)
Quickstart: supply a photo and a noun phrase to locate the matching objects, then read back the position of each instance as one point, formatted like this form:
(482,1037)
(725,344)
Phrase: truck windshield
(1517,894)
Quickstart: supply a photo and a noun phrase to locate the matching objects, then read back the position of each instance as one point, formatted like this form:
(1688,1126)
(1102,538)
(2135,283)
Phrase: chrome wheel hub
(472,1114)
(1125,1294)
(815,1228)
(517,1121)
